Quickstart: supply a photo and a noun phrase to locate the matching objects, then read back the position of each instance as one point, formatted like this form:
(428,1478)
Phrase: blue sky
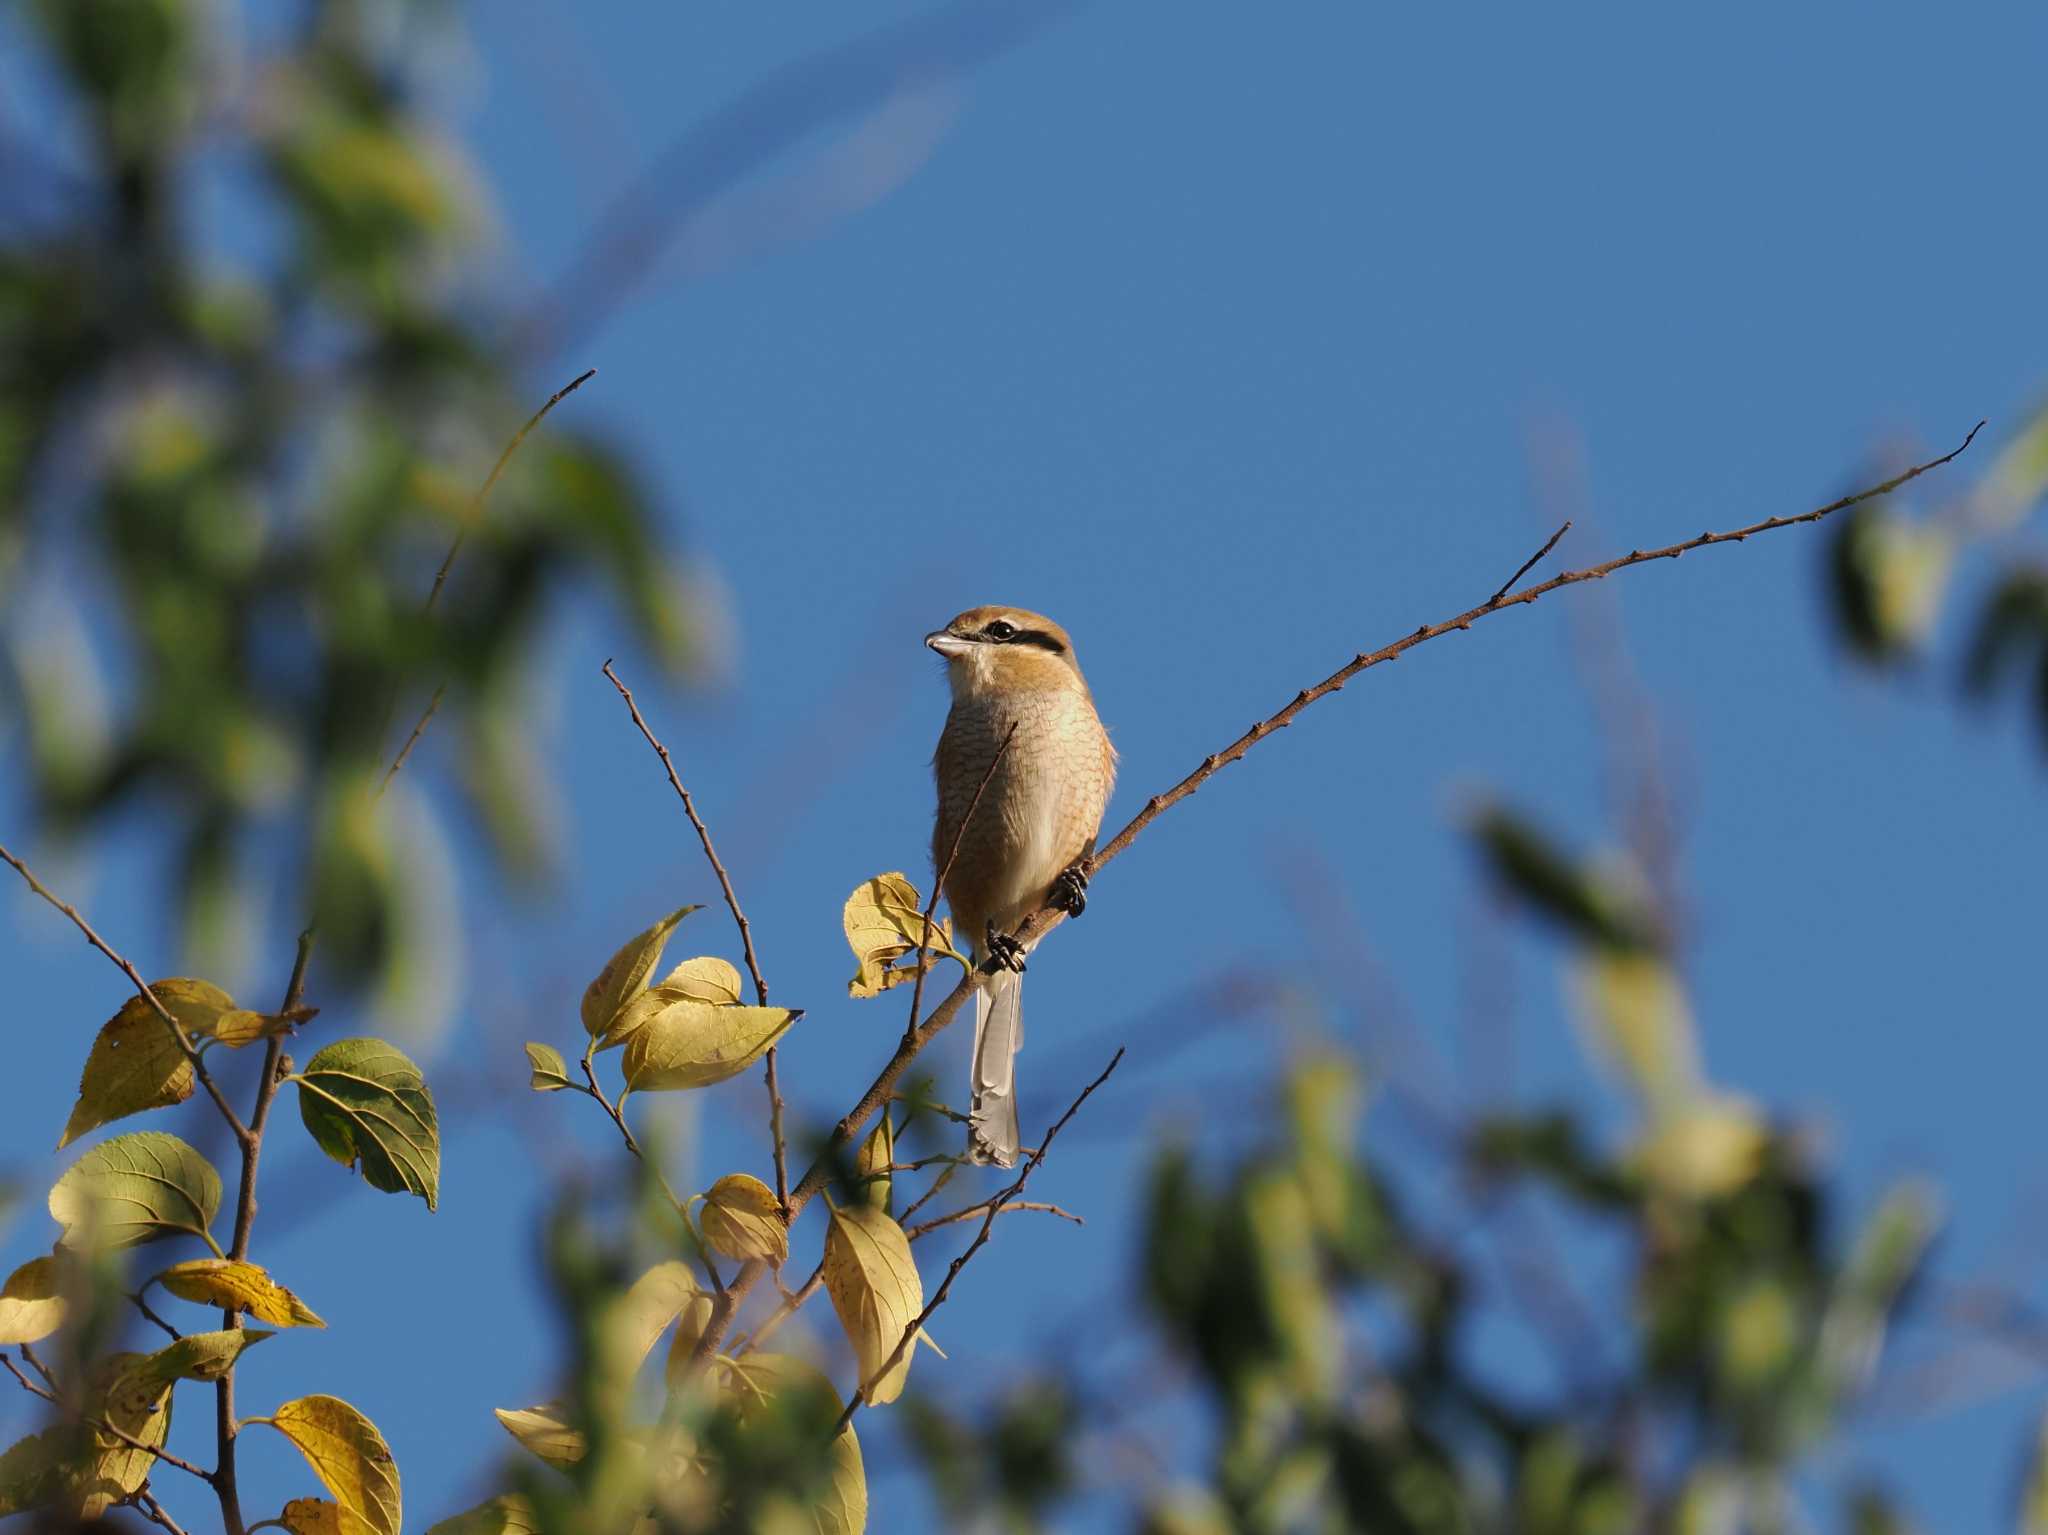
(1238,344)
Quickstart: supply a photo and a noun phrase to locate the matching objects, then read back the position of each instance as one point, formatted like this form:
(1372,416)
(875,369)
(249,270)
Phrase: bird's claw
(1004,952)
(1070,891)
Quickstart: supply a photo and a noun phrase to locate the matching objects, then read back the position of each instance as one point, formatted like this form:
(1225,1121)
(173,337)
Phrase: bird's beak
(946,643)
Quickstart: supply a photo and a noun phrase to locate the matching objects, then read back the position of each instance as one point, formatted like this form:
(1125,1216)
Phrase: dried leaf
(544,1430)
(238,1286)
(136,1188)
(627,971)
(314,1516)
(549,1072)
(884,918)
(875,1288)
(32,1304)
(244,1027)
(349,1456)
(694,1044)
(742,1220)
(363,1099)
(706,979)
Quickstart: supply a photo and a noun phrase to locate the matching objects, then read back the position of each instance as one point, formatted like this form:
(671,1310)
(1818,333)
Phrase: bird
(1039,815)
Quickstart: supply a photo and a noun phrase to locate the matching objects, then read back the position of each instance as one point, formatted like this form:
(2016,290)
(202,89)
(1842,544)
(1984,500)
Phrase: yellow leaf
(1710,1147)
(348,1455)
(884,918)
(626,972)
(874,1286)
(640,1010)
(32,1304)
(237,1286)
(1640,1020)
(742,1220)
(507,1515)
(544,1430)
(202,1355)
(877,1156)
(694,1044)
(708,979)
(314,1516)
(548,1073)
(243,1027)
(136,1062)
(690,1325)
(78,1470)
(639,1317)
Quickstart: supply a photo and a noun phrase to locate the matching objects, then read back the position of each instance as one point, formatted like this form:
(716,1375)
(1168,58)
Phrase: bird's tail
(992,1134)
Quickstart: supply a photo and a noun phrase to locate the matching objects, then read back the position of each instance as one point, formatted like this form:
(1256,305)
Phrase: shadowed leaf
(362,1099)
(626,972)
(136,1188)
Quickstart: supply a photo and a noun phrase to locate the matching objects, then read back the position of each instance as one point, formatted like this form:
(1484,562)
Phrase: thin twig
(997,1205)
(149,1313)
(35,1361)
(241,1131)
(791,1304)
(147,1505)
(618,1117)
(418,730)
(924,1199)
(1046,918)
(1528,565)
(732,904)
(995,1208)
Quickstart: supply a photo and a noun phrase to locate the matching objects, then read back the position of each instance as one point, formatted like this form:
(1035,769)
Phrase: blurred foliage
(246,402)
(1896,570)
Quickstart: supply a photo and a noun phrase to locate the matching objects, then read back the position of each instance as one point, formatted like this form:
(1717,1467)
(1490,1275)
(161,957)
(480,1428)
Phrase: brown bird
(1039,814)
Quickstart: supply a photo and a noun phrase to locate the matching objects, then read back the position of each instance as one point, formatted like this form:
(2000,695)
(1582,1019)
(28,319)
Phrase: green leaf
(1888,576)
(348,1455)
(626,972)
(507,1515)
(78,1470)
(757,1381)
(362,1098)
(203,1355)
(548,1072)
(742,1220)
(2012,625)
(877,1156)
(884,919)
(136,1062)
(137,1188)
(694,1044)
(1601,906)
(32,1305)
(237,1286)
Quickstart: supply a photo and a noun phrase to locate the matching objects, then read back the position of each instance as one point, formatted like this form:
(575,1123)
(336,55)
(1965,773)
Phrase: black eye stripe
(1039,638)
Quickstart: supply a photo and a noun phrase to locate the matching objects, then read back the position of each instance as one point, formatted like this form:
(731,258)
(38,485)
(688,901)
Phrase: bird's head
(994,649)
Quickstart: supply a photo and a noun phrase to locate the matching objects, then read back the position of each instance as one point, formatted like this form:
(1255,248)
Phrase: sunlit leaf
(136,1062)
(136,1188)
(877,1156)
(638,1318)
(348,1455)
(2017,478)
(626,972)
(548,1072)
(705,979)
(244,1027)
(545,1431)
(78,1470)
(2033,1509)
(202,1355)
(1636,1012)
(875,1288)
(362,1099)
(884,919)
(316,1516)
(694,1044)
(742,1220)
(32,1304)
(1889,573)
(1708,1148)
(238,1286)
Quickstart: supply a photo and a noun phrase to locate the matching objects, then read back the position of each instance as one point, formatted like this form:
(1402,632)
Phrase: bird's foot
(1070,891)
(1004,952)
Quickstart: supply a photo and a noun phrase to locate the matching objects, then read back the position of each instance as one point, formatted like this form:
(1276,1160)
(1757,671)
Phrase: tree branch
(102,1426)
(732,904)
(995,1208)
(1047,918)
(192,1056)
(999,1204)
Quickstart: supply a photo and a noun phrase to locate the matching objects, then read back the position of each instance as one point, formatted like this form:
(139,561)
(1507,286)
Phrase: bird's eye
(1001,631)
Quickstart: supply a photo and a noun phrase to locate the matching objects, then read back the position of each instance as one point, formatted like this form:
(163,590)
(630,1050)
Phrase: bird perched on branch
(1039,814)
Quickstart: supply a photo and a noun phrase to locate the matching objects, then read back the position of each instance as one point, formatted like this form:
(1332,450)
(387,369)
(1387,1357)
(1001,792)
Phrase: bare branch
(1528,565)
(995,1208)
(241,1131)
(146,1504)
(101,1425)
(996,1205)
(1045,919)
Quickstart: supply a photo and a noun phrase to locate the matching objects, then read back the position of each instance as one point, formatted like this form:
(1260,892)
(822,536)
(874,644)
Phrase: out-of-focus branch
(1046,918)
(732,904)
(995,1207)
